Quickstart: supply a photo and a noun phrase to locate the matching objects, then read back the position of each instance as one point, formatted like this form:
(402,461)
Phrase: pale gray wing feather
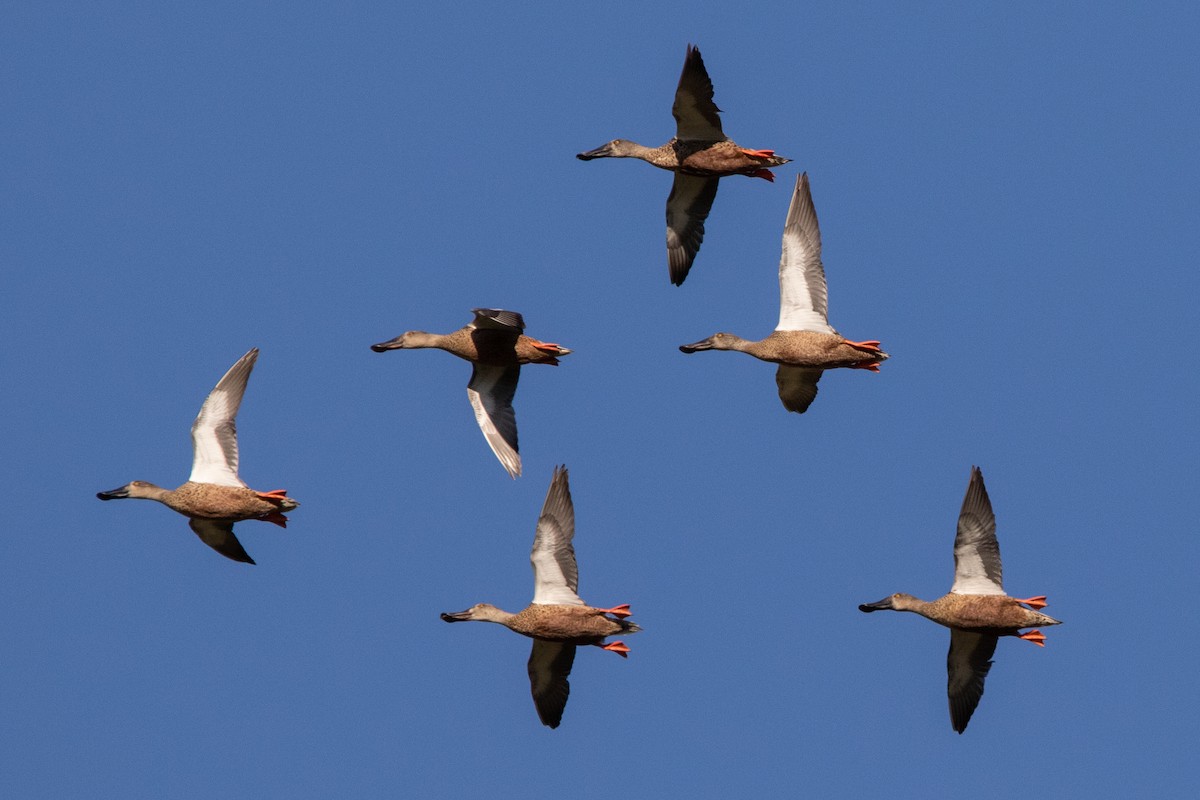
(555,573)
(214,433)
(696,115)
(977,568)
(967,665)
(803,297)
(549,667)
(688,205)
(491,392)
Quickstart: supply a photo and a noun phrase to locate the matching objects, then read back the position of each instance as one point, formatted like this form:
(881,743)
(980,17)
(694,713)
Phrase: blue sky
(1007,197)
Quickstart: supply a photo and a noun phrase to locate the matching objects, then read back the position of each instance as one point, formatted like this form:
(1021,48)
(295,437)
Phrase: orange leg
(758,153)
(620,648)
(870,344)
(549,347)
(1034,602)
(275,518)
(274,494)
(621,611)
(765,174)
(873,366)
(1037,637)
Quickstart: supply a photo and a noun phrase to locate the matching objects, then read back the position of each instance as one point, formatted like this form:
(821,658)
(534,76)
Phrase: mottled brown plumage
(977,611)
(704,159)
(207,500)
(557,620)
(797,348)
(214,497)
(996,614)
(488,346)
(804,344)
(581,625)
(494,343)
(699,154)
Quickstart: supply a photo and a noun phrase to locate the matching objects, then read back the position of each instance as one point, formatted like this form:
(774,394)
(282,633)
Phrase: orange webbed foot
(274,494)
(1037,637)
(871,366)
(765,174)
(620,648)
(620,611)
(1038,602)
(870,344)
(275,518)
(758,153)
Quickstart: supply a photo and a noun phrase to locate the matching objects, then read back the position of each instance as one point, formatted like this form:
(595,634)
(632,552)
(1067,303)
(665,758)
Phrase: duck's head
(718,341)
(480,612)
(617,148)
(134,489)
(896,602)
(409,340)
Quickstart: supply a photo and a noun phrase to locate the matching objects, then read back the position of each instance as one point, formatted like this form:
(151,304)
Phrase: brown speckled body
(713,159)
(572,624)
(569,624)
(716,159)
(795,348)
(485,346)
(809,349)
(210,501)
(991,613)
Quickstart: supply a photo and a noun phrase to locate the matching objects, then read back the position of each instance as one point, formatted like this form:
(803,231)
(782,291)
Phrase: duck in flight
(700,155)
(557,620)
(214,497)
(495,344)
(977,611)
(803,344)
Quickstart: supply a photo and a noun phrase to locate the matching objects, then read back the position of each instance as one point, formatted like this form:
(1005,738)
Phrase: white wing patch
(977,567)
(803,297)
(214,433)
(555,573)
(491,393)
(688,205)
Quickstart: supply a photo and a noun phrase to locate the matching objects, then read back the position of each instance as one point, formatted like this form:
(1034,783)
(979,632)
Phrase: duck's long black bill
(882,605)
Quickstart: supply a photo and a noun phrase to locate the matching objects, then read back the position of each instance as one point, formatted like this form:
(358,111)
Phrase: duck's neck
(497,615)
(913,604)
(149,491)
(419,339)
(741,345)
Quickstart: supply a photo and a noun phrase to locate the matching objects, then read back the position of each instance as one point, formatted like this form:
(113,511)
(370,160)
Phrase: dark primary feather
(549,667)
(696,115)
(967,666)
(688,206)
(977,530)
(218,534)
(499,317)
(797,386)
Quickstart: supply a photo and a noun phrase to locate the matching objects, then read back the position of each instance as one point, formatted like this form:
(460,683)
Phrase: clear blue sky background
(1008,199)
